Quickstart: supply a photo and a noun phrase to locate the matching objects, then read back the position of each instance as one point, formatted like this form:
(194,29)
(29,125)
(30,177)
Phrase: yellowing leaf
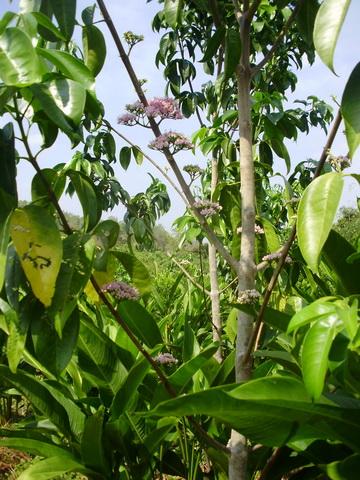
(38,244)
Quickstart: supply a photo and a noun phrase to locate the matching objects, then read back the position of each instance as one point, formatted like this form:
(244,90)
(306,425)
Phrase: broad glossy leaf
(306,19)
(5,20)
(65,11)
(19,63)
(140,322)
(213,44)
(281,151)
(40,191)
(316,213)
(232,50)
(310,313)
(18,323)
(315,352)
(38,243)
(137,271)
(104,236)
(70,66)
(92,443)
(350,109)
(125,157)
(98,358)
(45,22)
(272,411)
(86,193)
(69,96)
(328,23)
(343,469)
(52,467)
(94,48)
(271,237)
(173,11)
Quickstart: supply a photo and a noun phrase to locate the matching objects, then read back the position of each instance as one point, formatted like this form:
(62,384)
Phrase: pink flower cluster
(171,140)
(258,230)
(275,256)
(157,108)
(121,291)
(165,359)
(207,208)
(248,296)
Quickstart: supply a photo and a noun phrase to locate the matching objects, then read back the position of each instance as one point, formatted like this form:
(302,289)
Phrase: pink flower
(163,108)
(127,119)
(121,291)
(207,208)
(173,141)
(165,359)
(275,256)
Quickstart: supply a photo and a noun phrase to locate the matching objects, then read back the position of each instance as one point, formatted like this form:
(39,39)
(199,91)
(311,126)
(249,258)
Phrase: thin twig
(277,42)
(187,274)
(270,463)
(162,171)
(254,339)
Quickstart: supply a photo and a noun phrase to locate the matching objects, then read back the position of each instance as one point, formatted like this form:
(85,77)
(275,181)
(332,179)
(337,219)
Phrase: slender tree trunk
(247,270)
(214,284)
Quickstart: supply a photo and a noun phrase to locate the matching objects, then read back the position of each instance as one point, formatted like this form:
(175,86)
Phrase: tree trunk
(246,275)
(214,284)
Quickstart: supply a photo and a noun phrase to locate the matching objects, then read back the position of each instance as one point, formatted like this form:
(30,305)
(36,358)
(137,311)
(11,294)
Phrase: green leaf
(87,14)
(271,237)
(315,351)
(138,155)
(39,190)
(316,213)
(213,44)
(188,369)
(140,322)
(35,447)
(137,271)
(42,400)
(38,243)
(350,109)
(19,63)
(69,96)
(74,274)
(98,358)
(86,193)
(343,469)
(128,389)
(52,467)
(315,311)
(281,151)
(5,20)
(92,444)
(173,11)
(328,23)
(18,323)
(65,11)
(45,22)
(94,48)
(347,275)
(4,242)
(272,411)
(8,190)
(232,51)
(69,66)
(125,157)
(306,19)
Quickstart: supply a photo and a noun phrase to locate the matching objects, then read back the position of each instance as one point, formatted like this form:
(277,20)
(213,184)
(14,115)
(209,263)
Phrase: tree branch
(260,317)
(277,42)
(187,274)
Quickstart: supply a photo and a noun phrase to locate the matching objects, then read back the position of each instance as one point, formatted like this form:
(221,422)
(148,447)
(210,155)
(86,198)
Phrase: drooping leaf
(94,48)
(38,243)
(173,11)
(86,193)
(4,241)
(51,32)
(65,11)
(316,213)
(18,323)
(306,19)
(140,322)
(350,109)
(125,157)
(281,151)
(104,236)
(315,352)
(328,23)
(213,44)
(40,191)
(19,63)
(69,96)
(343,469)
(232,51)
(315,311)
(35,447)
(53,467)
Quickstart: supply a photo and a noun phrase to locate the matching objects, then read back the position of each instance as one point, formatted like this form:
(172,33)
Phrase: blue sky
(115,90)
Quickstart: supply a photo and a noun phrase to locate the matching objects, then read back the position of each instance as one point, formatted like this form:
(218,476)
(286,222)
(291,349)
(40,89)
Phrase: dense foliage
(136,366)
